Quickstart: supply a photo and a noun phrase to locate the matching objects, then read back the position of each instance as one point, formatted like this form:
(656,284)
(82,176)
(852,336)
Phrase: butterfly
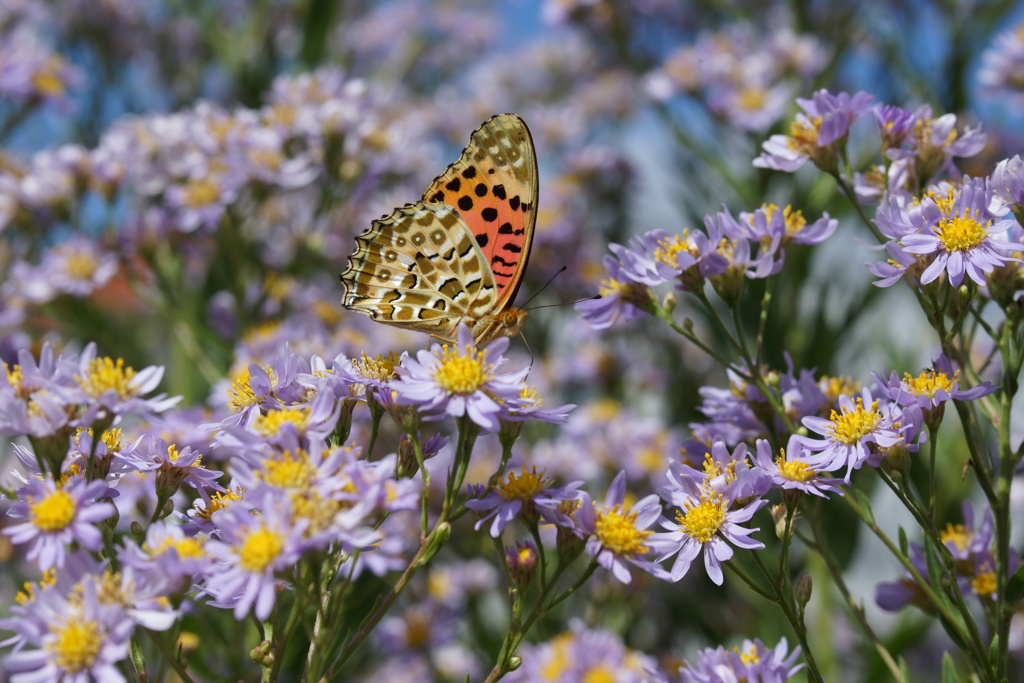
(457,255)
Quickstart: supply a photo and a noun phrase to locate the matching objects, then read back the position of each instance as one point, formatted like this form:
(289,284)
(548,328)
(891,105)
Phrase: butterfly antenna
(571,303)
(550,280)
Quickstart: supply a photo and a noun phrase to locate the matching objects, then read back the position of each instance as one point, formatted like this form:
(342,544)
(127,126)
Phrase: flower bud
(521,562)
(802,591)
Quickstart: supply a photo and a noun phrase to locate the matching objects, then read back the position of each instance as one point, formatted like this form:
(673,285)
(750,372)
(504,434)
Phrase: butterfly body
(458,255)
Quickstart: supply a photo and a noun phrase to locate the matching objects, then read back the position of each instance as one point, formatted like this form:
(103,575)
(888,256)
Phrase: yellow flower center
(268,158)
(259,549)
(702,521)
(80,265)
(460,374)
(611,287)
(834,387)
(558,661)
(77,645)
(524,487)
(750,656)
(289,471)
(54,512)
(961,233)
(379,367)
(984,583)
(752,98)
(200,192)
(794,470)
(105,374)
(240,393)
(669,248)
(804,135)
(929,382)
(14,377)
(218,501)
(616,529)
(852,426)
(959,535)
(271,423)
(599,674)
(187,548)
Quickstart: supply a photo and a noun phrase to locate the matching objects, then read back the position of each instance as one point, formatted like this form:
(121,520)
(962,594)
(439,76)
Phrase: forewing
(420,268)
(494,187)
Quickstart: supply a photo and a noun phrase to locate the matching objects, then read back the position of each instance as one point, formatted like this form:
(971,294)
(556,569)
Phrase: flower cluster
(747,75)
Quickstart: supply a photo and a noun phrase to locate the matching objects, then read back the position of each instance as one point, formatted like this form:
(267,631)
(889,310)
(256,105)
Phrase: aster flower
(527,495)
(77,267)
(461,380)
(703,521)
(1002,64)
(789,470)
(77,637)
(899,265)
(261,387)
(617,533)
(858,433)
(109,387)
(727,474)
(958,231)
(816,134)
(894,125)
(932,144)
(168,556)
(251,551)
(173,467)
(585,654)
(931,388)
(750,662)
(57,516)
(1007,183)
(619,299)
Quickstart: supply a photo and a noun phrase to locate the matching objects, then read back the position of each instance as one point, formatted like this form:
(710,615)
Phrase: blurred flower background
(181,184)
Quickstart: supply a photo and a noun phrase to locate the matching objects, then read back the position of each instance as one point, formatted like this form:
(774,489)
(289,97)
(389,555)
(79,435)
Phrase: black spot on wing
(480,190)
(454,184)
(489,214)
(498,259)
(499,192)
(505,229)
(511,247)
(465,202)
(482,239)
(437,196)
(514,203)
(469,172)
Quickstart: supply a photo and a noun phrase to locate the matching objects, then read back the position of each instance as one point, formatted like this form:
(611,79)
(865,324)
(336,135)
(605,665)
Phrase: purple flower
(1002,64)
(789,470)
(619,299)
(816,134)
(110,387)
(857,433)
(57,516)
(1007,182)
(461,380)
(584,654)
(250,552)
(932,387)
(168,556)
(958,232)
(703,521)
(78,637)
(933,143)
(894,124)
(617,533)
(528,496)
(751,662)
(172,467)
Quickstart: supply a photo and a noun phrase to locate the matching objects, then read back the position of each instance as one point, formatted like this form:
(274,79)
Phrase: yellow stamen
(462,374)
(616,529)
(702,521)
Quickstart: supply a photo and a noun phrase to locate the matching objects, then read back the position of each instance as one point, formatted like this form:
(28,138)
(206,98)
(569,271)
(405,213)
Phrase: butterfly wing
(420,268)
(494,187)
